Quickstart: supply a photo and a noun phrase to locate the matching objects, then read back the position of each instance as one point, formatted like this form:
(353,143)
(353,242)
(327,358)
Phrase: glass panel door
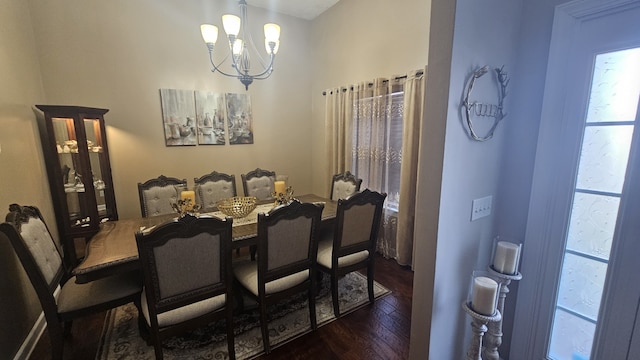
(97,162)
(72,178)
(606,142)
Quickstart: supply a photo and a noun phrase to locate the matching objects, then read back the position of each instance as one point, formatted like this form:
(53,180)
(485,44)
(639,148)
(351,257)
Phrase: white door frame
(551,195)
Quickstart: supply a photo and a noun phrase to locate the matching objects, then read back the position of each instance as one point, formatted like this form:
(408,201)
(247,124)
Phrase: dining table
(113,249)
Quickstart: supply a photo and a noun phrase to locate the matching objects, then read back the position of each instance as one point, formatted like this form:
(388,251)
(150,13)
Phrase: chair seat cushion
(247,274)
(75,296)
(184,313)
(325,251)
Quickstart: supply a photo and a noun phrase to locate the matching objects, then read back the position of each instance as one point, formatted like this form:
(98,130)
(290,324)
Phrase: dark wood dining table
(113,249)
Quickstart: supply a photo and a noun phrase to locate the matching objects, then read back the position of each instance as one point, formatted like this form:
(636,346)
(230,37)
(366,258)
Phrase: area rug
(289,320)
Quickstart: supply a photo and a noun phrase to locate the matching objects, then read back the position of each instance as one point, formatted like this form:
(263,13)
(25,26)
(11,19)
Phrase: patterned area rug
(289,320)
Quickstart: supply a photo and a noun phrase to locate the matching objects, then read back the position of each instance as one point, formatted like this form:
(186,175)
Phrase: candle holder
(479,326)
(494,334)
(283,198)
(185,206)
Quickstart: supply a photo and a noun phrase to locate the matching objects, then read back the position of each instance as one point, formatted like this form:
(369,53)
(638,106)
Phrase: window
(377,144)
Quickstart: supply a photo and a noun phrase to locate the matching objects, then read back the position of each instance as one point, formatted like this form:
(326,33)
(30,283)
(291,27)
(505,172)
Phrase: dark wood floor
(378,331)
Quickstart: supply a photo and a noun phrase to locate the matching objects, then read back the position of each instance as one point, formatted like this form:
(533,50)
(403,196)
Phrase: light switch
(481,207)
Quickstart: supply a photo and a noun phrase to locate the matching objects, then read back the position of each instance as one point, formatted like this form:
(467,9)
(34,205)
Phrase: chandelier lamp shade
(239,43)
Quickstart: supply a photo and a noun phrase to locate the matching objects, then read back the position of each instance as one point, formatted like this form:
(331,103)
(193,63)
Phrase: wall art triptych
(199,118)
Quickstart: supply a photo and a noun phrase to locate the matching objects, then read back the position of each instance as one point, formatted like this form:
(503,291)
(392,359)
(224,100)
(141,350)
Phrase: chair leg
(230,335)
(67,328)
(56,336)
(334,293)
(157,347)
(264,323)
(370,281)
(312,303)
(252,250)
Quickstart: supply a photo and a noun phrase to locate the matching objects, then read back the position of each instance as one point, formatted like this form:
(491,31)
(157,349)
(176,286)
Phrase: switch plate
(481,207)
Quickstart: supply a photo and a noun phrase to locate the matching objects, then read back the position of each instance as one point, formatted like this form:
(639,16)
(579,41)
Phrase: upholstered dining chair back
(211,188)
(157,195)
(186,267)
(61,298)
(351,245)
(259,183)
(289,238)
(287,248)
(344,185)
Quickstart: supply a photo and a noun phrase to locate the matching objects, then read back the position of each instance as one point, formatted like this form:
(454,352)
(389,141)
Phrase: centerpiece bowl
(237,206)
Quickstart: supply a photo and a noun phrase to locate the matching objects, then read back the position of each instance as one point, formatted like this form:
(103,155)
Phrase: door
(585,207)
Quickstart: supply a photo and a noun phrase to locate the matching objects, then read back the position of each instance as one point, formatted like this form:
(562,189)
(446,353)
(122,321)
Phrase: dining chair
(187,277)
(259,183)
(344,185)
(286,258)
(351,245)
(61,298)
(158,194)
(211,188)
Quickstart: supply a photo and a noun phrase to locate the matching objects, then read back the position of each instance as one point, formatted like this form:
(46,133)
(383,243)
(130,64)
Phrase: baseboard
(32,339)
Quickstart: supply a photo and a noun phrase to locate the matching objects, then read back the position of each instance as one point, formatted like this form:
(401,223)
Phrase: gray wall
(470,34)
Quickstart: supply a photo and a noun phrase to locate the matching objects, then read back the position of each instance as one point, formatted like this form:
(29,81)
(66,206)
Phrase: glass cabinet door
(97,163)
(73,178)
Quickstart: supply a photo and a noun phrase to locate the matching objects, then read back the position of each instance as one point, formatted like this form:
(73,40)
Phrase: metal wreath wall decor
(477,109)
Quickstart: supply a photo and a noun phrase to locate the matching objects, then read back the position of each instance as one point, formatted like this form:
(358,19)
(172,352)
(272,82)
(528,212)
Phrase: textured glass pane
(581,285)
(603,161)
(615,87)
(593,219)
(572,337)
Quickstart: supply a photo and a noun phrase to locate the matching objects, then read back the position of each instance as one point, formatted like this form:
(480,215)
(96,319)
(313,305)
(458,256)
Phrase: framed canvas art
(178,117)
(239,118)
(210,118)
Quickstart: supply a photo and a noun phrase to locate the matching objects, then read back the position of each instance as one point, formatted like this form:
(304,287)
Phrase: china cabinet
(76,154)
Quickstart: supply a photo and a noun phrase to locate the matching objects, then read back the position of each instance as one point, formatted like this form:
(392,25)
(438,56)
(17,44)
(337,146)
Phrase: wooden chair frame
(254,174)
(346,176)
(293,210)
(358,199)
(59,324)
(215,177)
(160,181)
(187,227)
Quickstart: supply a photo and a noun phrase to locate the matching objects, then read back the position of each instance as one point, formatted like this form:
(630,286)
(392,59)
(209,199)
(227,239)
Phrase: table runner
(252,218)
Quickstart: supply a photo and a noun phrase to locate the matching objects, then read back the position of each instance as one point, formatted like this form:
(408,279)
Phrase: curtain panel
(373,130)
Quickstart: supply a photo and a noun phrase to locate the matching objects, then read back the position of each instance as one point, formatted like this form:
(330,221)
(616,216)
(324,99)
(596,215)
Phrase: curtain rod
(418,73)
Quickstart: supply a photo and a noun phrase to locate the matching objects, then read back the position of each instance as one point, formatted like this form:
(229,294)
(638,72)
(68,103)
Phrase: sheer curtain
(372,130)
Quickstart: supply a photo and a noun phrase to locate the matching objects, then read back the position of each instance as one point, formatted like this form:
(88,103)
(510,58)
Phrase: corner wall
(483,33)
(22,174)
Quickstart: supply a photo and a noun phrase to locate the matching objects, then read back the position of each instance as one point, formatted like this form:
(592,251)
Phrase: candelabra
(494,333)
(479,326)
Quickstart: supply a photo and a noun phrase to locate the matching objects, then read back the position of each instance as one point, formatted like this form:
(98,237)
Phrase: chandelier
(239,37)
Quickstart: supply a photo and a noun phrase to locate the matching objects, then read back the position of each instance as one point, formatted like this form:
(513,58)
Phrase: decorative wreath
(478,109)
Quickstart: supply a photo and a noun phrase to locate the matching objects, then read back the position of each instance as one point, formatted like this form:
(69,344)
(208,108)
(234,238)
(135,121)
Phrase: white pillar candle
(280,187)
(189,195)
(484,294)
(506,257)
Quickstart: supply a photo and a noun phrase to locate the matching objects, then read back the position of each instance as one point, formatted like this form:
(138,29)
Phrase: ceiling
(304,9)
